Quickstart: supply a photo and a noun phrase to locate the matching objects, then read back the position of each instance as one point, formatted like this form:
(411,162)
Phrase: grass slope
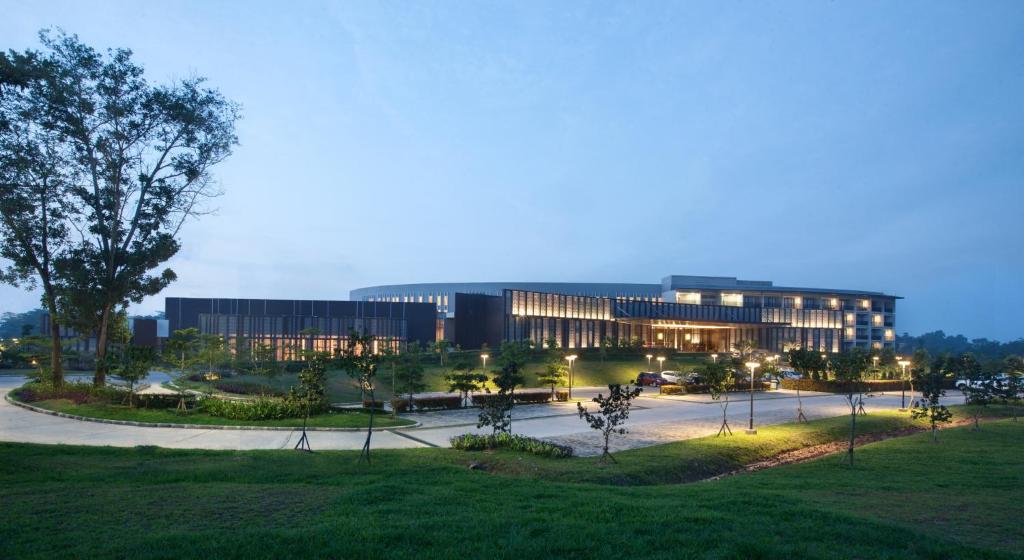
(906,498)
(333,419)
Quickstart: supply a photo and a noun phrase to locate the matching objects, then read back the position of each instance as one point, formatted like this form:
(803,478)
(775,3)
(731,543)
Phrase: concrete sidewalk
(654,420)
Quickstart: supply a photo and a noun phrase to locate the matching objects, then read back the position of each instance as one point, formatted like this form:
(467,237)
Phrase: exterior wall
(279,323)
(443,294)
(582,322)
(479,321)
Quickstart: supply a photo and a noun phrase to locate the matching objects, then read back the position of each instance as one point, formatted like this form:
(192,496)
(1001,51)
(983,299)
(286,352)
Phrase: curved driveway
(653,421)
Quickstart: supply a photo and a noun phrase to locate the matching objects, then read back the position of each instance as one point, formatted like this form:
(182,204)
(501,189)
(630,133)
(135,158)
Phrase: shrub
(163,401)
(427,403)
(520,398)
(377,404)
(261,408)
(671,390)
(474,442)
(533,397)
(243,388)
(562,396)
(78,393)
(833,386)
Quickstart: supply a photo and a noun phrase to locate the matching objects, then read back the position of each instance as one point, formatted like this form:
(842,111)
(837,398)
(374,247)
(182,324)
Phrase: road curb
(26,406)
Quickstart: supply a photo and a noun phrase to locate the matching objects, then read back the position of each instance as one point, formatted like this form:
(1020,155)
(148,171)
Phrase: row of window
(740,299)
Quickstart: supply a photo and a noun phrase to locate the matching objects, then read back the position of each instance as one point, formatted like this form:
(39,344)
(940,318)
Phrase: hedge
(367,403)
(473,442)
(520,398)
(692,388)
(833,386)
(562,396)
(78,393)
(427,403)
(243,388)
(261,408)
(152,400)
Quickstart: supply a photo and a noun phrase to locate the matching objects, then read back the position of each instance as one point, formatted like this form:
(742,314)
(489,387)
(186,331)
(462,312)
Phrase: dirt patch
(815,451)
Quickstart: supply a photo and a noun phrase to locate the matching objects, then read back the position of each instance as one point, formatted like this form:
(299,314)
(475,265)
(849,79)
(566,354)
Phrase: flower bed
(78,393)
(520,398)
(261,408)
(473,442)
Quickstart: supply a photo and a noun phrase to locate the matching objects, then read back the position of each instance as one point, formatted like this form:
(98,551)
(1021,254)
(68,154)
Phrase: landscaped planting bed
(106,403)
(832,386)
(698,388)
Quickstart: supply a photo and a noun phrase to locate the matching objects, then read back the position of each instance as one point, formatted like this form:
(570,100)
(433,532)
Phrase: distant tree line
(938,342)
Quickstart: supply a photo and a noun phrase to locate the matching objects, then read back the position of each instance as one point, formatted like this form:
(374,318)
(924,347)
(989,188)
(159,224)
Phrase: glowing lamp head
(752,365)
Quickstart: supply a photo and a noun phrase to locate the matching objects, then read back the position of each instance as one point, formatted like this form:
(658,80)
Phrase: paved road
(655,420)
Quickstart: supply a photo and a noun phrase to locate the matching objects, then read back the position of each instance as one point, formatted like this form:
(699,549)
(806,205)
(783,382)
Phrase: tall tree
(141,156)
(849,369)
(35,175)
(931,381)
(409,376)
(612,412)
(361,364)
(463,379)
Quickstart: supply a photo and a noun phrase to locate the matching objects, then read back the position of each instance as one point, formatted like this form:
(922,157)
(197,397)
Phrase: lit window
(692,298)
(865,303)
(877,320)
(734,300)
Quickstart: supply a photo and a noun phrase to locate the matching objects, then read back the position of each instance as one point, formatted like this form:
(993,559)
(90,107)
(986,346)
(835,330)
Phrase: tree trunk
(56,349)
(99,378)
(853,430)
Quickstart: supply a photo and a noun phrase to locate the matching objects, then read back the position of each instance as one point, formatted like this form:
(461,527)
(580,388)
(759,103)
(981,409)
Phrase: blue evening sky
(867,145)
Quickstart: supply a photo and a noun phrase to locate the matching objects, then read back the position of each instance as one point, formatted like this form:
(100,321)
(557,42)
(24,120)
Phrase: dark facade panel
(480,320)
(412,321)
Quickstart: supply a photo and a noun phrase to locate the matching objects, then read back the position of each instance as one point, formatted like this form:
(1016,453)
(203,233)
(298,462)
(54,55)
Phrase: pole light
(875,360)
(483,358)
(649,356)
(903,386)
(752,366)
(661,363)
(572,360)
(714,358)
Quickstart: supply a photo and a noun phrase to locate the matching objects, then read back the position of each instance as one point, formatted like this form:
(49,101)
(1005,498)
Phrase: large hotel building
(684,313)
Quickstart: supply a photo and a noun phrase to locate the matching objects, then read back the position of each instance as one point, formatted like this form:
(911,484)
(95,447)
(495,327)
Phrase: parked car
(672,376)
(693,377)
(788,373)
(998,380)
(650,378)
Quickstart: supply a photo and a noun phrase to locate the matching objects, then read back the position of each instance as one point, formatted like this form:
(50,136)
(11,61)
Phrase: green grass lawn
(906,498)
(332,419)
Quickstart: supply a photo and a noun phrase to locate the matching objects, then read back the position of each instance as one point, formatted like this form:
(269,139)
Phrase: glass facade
(774,322)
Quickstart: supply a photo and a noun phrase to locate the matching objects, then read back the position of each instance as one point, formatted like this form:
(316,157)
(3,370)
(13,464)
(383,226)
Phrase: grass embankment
(331,419)
(589,372)
(905,498)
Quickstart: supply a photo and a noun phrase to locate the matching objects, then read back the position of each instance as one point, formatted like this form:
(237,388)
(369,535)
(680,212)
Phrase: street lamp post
(903,385)
(572,360)
(661,363)
(483,358)
(752,366)
(649,356)
(714,358)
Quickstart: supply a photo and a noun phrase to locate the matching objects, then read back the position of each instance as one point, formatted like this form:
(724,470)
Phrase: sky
(861,145)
